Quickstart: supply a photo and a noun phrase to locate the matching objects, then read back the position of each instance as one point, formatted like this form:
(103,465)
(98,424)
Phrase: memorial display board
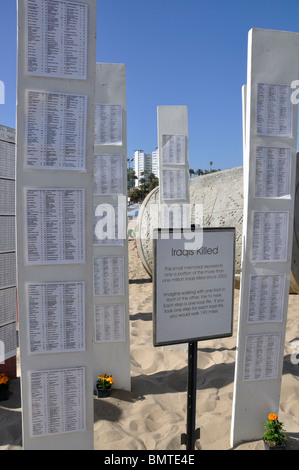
(8,334)
(173,156)
(270,144)
(111,351)
(194,286)
(54,194)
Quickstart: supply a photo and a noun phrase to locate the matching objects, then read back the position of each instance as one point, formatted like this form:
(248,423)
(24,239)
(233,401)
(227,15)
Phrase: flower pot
(4,395)
(103,392)
(268,447)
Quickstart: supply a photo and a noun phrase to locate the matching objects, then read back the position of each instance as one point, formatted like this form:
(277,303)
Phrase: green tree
(131,177)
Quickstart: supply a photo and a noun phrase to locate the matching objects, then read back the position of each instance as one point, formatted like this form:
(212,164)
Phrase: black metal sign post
(191,434)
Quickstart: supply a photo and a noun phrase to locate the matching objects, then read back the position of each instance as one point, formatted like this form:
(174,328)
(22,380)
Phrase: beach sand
(153,415)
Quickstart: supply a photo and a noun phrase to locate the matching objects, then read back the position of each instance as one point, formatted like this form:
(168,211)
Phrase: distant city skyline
(145,164)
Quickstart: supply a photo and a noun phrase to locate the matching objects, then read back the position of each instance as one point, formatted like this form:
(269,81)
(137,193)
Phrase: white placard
(8,338)
(272,172)
(274,110)
(261,356)
(7,160)
(108,275)
(270,140)
(56,317)
(108,124)
(108,225)
(108,175)
(57,401)
(7,306)
(193,286)
(56,39)
(7,270)
(266,294)
(7,234)
(270,234)
(56,131)
(109,323)
(55,226)
(173,149)
(174,184)
(7,197)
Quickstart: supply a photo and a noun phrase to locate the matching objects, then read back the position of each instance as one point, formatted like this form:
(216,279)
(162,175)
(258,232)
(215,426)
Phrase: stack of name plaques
(270,143)
(173,146)
(8,318)
(55,116)
(111,352)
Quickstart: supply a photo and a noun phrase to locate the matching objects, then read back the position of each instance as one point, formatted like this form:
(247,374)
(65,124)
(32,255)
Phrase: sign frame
(206,230)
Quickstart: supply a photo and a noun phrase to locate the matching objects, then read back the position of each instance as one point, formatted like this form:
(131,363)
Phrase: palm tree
(191,172)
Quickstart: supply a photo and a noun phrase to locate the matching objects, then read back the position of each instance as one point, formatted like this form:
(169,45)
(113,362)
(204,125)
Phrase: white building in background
(145,164)
(155,162)
(142,164)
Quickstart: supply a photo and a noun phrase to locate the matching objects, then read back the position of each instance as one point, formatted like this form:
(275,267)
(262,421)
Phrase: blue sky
(177,52)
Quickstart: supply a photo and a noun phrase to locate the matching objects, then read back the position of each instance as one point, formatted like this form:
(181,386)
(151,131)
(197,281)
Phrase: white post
(54,200)
(269,189)
(8,335)
(110,244)
(173,144)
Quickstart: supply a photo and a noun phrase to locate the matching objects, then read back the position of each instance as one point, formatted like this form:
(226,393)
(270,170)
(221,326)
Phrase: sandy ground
(153,415)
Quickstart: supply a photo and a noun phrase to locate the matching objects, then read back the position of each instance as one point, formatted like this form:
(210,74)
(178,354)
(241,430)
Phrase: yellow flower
(272,416)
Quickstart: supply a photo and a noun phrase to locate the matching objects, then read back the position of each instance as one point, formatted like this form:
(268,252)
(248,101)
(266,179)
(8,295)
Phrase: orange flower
(272,416)
(3,379)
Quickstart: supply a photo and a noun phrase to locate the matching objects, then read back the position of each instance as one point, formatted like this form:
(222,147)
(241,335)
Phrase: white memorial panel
(272,172)
(108,275)
(57,401)
(261,356)
(174,185)
(265,301)
(9,339)
(7,197)
(56,313)
(270,144)
(7,270)
(55,226)
(56,131)
(174,155)
(7,234)
(270,235)
(54,197)
(173,150)
(111,349)
(108,175)
(274,110)
(8,343)
(109,322)
(7,305)
(57,35)
(7,160)
(108,124)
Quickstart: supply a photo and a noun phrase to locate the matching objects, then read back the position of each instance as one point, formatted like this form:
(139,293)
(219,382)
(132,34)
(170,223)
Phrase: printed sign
(193,285)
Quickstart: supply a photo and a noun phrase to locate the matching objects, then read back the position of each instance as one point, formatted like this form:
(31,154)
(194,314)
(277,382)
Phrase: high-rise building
(155,162)
(142,165)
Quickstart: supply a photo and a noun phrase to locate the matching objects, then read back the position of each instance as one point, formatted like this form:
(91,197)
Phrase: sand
(153,415)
